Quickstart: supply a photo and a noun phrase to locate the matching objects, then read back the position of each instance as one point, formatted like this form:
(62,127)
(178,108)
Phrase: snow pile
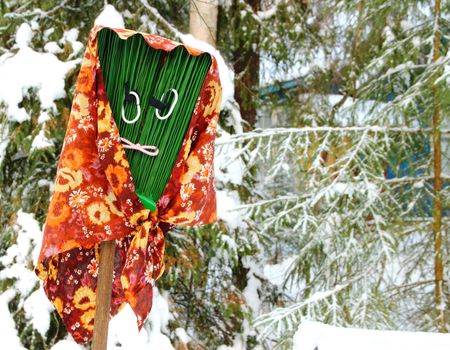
(30,69)
(9,332)
(17,257)
(109,17)
(159,319)
(23,36)
(123,331)
(18,262)
(38,309)
(41,141)
(67,344)
(318,336)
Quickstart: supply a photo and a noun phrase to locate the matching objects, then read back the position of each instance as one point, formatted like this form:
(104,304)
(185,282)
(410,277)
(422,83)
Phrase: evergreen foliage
(331,207)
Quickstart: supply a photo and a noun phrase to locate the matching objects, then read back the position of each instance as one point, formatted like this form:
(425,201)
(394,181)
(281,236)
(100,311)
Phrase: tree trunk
(246,68)
(437,207)
(203,20)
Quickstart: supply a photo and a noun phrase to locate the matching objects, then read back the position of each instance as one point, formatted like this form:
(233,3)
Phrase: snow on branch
(258,133)
(160,18)
(268,321)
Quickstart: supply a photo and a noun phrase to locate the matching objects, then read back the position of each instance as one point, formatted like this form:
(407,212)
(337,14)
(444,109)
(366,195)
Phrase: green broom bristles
(150,73)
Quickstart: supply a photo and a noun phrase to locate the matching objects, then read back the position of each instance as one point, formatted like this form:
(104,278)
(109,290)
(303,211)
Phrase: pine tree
(328,215)
(343,205)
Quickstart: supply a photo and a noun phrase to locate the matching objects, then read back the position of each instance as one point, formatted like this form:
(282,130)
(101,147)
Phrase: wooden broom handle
(103,298)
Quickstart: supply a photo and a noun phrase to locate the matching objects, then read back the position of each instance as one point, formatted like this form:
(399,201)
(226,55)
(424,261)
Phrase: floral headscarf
(94,199)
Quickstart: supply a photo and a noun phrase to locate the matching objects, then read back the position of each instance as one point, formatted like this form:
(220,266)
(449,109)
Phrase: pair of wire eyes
(160,106)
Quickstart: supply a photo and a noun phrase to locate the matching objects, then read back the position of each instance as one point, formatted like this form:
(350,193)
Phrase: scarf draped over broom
(94,199)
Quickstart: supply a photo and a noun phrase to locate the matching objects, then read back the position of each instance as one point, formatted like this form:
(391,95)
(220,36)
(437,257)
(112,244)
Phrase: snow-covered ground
(319,336)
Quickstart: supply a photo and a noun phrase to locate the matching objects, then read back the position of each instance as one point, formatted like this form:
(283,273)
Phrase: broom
(153,75)
(152,94)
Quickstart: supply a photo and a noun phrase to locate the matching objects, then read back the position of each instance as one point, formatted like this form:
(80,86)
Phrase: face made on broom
(152,94)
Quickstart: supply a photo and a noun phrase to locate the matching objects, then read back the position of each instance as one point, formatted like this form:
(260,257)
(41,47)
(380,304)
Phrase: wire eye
(128,97)
(175,93)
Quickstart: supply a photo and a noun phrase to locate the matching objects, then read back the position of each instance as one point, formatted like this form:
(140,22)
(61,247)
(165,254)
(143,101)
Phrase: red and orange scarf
(94,199)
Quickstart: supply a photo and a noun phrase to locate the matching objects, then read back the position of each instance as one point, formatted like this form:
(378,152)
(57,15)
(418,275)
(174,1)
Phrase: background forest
(332,170)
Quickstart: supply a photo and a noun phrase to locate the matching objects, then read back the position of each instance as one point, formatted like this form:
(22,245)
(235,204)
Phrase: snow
(238,344)
(4,141)
(228,166)
(28,230)
(152,27)
(264,15)
(160,315)
(48,32)
(160,341)
(182,335)
(235,119)
(276,273)
(41,141)
(351,189)
(226,75)
(296,68)
(17,257)
(71,36)
(227,169)
(159,18)
(45,183)
(23,35)
(28,234)
(37,309)
(43,117)
(123,332)
(46,74)
(250,291)
(52,47)
(388,35)
(9,332)
(67,344)
(25,278)
(318,336)
(226,202)
(225,347)
(34,25)
(110,17)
